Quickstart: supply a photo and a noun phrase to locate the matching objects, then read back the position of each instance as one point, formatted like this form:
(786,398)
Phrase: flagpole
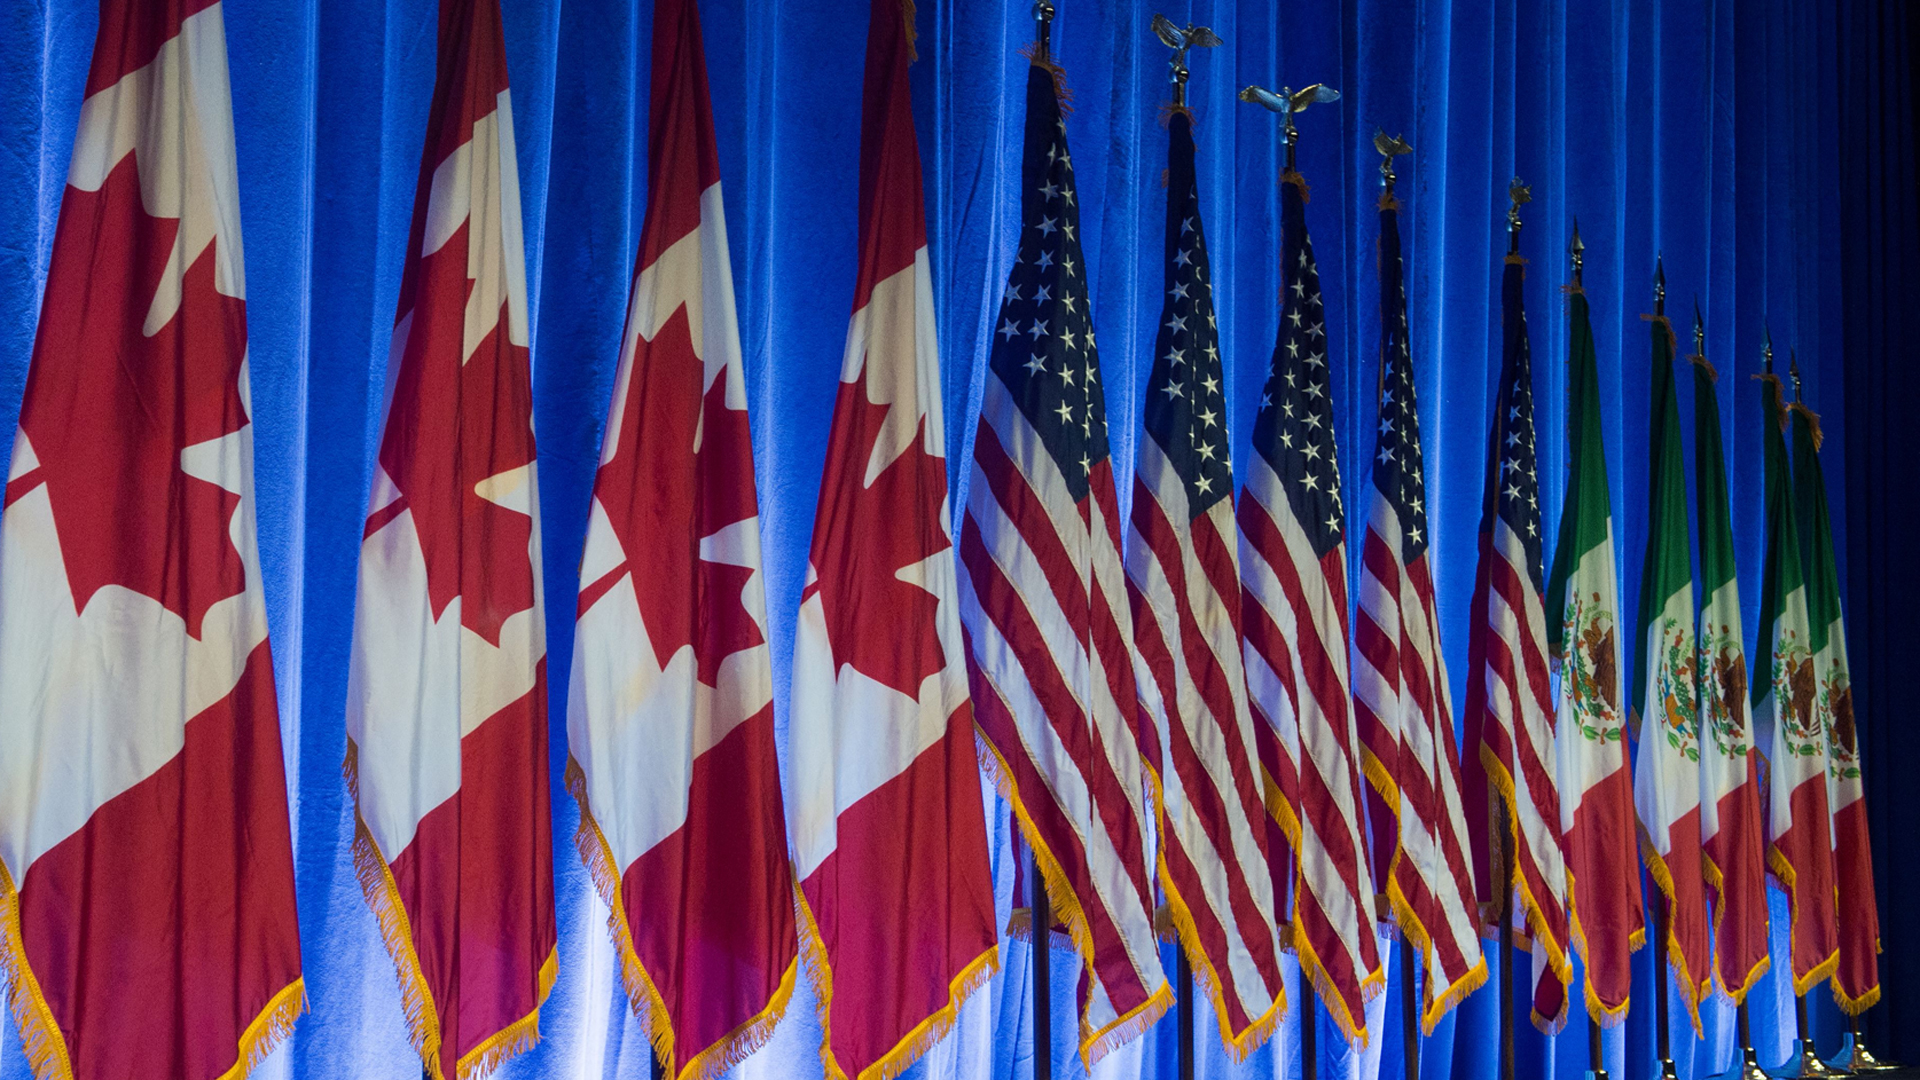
(1662,906)
(1042,912)
(1517,193)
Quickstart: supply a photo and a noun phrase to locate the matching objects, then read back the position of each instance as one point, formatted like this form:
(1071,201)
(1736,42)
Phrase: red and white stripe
(670,720)
(447,694)
(1044,596)
(889,833)
(146,868)
(1297,678)
(1183,577)
(1510,720)
(1400,678)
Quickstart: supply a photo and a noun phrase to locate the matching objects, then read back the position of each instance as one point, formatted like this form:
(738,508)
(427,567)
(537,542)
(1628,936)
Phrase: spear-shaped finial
(1043,37)
(1578,251)
(1517,193)
(1699,330)
(1286,103)
(1180,40)
(1389,147)
(1766,347)
(1659,285)
(1793,374)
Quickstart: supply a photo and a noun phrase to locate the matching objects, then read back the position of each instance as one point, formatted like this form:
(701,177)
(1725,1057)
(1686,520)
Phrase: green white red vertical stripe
(1732,831)
(1596,792)
(1785,712)
(1856,980)
(889,834)
(147,923)
(670,709)
(1666,778)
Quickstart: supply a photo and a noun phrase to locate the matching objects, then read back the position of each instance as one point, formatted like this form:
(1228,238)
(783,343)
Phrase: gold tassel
(913,35)
(1061,92)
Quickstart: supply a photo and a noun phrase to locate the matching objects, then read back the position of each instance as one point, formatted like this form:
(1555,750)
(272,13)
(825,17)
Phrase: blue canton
(1043,348)
(1513,479)
(1398,471)
(1185,410)
(1294,427)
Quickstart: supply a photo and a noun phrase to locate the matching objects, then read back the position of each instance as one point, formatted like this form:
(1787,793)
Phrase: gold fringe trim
(1383,783)
(40,1036)
(1736,994)
(1783,872)
(1536,921)
(269,1029)
(1168,110)
(396,930)
(1855,1006)
(1769,379)
(1700,361)
(1571,289)
(1208,979)
(912,1046)
(1388,202)
(1673,343)
(1094,1045)
(1417,935)
(1602,1014)
(643,995)
(1062,93)
(1813,423)
(1291,176)
(1692,990)
(1515,260)
(913,35)
(521,1035)
(1311,967)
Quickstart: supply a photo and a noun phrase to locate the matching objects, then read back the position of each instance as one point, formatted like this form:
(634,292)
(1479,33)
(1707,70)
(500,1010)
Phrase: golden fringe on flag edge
(1783,872)
(1416,934)
(642,994)
(1094,1045)
(911,1047)
(1312,968)
(1536,921)
(46,1049)
(1717,880)
(1692,992)
(1597,1009)
(1208,979)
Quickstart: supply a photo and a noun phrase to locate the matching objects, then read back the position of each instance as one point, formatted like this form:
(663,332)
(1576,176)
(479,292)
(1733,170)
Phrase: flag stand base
(1804,1064)
(1747,1069)
(1855,1057)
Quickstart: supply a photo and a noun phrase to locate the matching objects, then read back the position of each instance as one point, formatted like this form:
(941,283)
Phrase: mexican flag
(1856,982)
(1596,793)
(1798,851)
(1666,777)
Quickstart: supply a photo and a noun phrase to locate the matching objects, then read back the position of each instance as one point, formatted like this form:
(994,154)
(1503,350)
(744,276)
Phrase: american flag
(1294,570)
(1509,707)
(1183,581)
(1043,597)
(1400,689)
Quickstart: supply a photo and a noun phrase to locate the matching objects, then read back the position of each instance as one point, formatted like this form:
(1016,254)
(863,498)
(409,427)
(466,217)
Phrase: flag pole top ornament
(1389,147)
(1578,251)
(1286,103)
(1659,286)
(1699,331)
(1766,347)
(1518,193)
(1793,374)
(1043,39)
(1180,40)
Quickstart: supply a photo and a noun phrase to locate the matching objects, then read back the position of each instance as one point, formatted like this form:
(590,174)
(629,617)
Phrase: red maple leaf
(663,496)
(454,424)
(108,409)
(880,624)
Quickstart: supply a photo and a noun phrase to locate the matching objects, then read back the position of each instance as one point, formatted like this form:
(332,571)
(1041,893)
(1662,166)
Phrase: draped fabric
(1764,146)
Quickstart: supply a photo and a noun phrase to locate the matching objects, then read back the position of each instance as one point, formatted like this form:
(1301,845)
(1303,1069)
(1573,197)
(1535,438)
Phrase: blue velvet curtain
(1714,131)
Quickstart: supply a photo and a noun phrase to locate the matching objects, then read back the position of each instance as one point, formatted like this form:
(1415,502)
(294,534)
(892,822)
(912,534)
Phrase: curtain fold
(1764,147)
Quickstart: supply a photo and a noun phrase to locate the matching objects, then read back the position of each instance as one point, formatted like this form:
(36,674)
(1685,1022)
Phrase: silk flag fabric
(1596,787)
(147,923)
(670,718)
(1856,979)
(1785,712)
(1509,720)
(1183,581)
(447,699)
(889,834)
(1400,687)
(1732,832)
(1293,561)
(1043,594)
(1666,777)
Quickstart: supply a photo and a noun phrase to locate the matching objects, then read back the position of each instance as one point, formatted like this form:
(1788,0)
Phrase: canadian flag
(670,714)
(147,921)
(447,693)
(888,829)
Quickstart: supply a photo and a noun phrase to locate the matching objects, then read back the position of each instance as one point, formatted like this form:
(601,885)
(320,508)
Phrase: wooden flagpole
(1042,971)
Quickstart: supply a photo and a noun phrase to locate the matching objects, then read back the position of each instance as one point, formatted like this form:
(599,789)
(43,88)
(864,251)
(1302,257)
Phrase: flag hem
(519,1036)
(272,1025)
(1597,1009)
(643,996)
(1208,979)
(1415,933)
(914,1044)
(1785,876)
(1716,879)
(46,1049)
(1536,919)
(1691,991)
